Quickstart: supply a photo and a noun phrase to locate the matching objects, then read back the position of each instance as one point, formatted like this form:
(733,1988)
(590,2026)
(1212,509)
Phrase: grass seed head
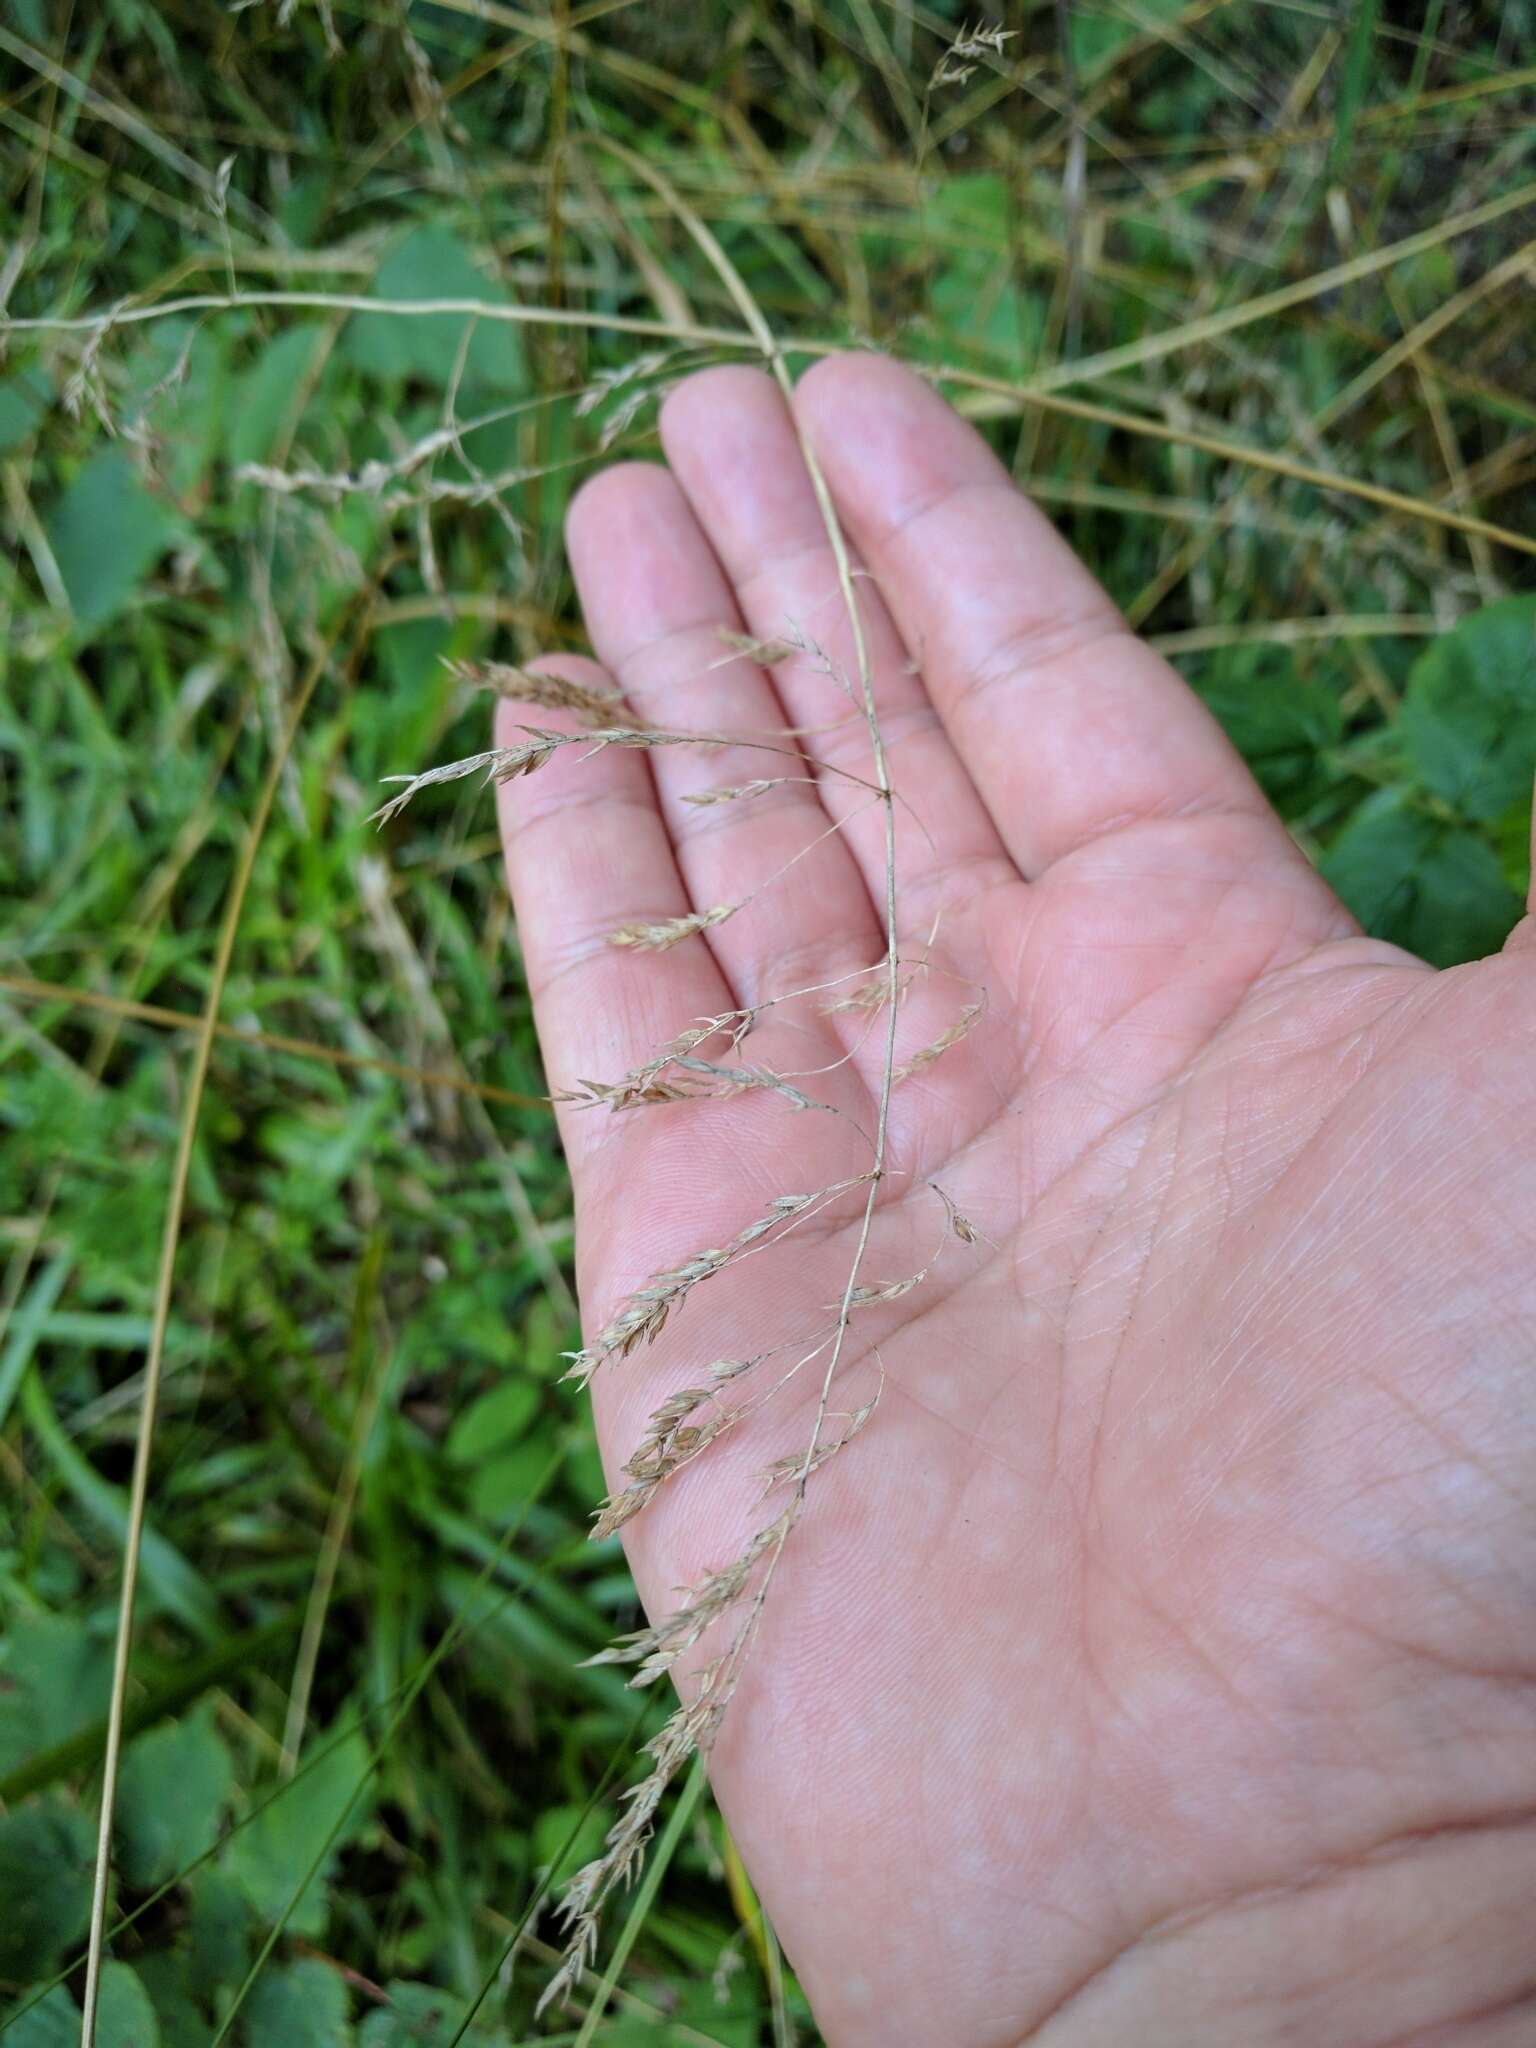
(596,702)
(671,931)
(936,1050)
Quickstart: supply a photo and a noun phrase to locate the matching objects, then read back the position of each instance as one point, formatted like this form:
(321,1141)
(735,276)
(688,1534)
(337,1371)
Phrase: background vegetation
(1189,253)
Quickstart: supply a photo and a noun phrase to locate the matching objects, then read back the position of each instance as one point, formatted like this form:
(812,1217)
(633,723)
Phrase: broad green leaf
(270,393)
(218,1933)
(1280,722)
(493,1422)
(1437,890)
(1469,717)
(501,1486)
(302,208)
(458,1319)
(420,2016)
(432,264)
(300,2005)
(55,1675)
(22,399)
(54,2022)
(125,2017)
(163,1973)
(106,532)
(976,297)
(47,1853)
(270,1856)
(176,1782)
(567,1836)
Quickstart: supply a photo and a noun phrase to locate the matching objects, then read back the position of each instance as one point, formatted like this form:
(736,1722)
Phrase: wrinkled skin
(1157,1665)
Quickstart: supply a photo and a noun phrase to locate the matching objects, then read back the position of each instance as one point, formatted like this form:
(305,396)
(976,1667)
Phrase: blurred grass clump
(1186,260)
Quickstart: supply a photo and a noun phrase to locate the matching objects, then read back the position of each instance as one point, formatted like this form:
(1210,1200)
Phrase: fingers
(734,448)
(658,607)
(586,852)
(1069,726)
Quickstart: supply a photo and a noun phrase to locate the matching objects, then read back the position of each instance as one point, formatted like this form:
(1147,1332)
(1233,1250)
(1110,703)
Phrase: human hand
(1158,1664)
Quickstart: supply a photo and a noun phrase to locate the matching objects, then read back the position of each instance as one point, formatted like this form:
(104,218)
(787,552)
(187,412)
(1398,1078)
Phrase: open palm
(1158,1664)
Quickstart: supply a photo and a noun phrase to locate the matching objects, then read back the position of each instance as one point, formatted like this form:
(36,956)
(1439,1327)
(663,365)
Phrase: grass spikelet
(766,652)
(643,1317)
(501,764)
(870,996)
(936,1050)
(655,1650)
(798,1466)
(635,1091)
(671,1440)
(961,1226)
(958,63)
(739,792)
(684,1735)
(732,1081)
(650,1084)
(671,931)
(594,702)
(734,1023)
(876,1292)
(604,383)
(688,1732)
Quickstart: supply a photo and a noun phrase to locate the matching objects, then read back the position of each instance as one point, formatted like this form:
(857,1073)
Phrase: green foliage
(125,2017)
(1469,717)
(175,1785)
(181,2020)
(1354,78)
(54,1676)
(46,1852)
(1285,725)
(419,2017)
(430,263)
(105,532)
(272,1856)
(216,1947)
(22,399)
(303,2004)
(1439,862)
(1426,885)
(48,2021)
